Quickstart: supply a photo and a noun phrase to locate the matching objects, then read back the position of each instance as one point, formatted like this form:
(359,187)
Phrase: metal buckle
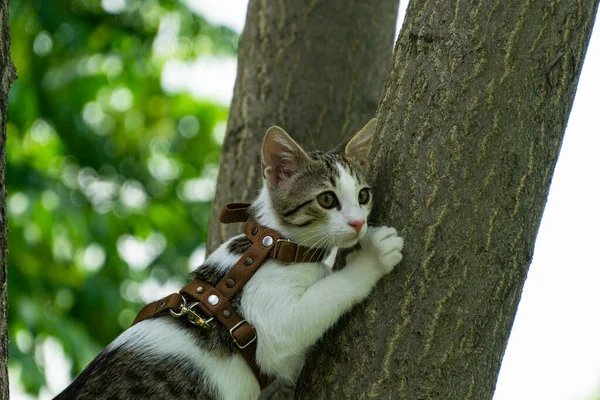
(276,251)
(234,339)
(192,316)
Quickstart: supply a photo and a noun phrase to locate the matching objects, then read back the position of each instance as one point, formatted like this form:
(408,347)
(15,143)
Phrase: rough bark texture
(7,76)
(472,119)
(318,65)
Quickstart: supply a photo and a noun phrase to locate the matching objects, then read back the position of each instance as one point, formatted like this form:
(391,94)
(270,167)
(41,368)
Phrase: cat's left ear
(281,156)
(359,146)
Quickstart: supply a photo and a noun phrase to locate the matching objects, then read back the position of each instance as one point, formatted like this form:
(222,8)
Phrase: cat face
(320,199)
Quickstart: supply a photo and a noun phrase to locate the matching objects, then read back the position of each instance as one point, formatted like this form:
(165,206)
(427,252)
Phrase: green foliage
(110,178)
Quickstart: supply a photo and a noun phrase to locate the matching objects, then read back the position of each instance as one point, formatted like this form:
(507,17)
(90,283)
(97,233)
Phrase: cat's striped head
(319,199)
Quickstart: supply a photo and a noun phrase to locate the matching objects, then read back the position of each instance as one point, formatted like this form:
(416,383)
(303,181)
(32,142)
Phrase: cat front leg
(380,249)
(329,298)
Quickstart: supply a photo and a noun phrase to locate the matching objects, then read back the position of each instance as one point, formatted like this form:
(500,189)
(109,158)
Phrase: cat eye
(364,195)
(327,200)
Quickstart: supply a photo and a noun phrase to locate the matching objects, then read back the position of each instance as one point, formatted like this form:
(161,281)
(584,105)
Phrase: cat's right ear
(281,156)
(359,146)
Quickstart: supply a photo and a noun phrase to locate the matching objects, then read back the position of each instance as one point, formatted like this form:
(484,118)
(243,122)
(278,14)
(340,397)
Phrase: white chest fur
(271,302)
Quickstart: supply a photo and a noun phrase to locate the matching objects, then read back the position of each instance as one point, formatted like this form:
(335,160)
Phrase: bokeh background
(114,133)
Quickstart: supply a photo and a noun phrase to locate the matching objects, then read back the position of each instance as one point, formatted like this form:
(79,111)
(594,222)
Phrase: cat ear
(281,155)
(359,146)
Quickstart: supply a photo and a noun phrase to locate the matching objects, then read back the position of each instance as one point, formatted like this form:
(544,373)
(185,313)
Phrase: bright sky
(554,349)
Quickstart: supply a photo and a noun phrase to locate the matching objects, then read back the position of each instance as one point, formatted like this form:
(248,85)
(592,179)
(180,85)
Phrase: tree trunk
(8,75)
(318,66)
(471,123)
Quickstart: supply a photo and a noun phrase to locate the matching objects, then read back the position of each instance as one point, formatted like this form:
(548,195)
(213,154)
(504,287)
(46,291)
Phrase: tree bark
(8,75)
(318,66)
(471,123)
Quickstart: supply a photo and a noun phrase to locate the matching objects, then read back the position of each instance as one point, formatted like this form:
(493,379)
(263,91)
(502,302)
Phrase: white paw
(383,246)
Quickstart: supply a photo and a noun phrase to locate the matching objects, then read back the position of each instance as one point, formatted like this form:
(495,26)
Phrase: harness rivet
(267,241)
(248,261)
(230,283)
(226,313)
(213,300)
(254,230)
(200,289)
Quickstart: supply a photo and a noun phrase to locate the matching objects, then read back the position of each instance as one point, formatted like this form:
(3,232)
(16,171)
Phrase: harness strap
(241,331)
(159,307)
(234,212)
(213,302)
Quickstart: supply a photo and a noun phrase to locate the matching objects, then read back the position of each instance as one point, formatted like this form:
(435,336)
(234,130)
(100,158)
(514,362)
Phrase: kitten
(318,199)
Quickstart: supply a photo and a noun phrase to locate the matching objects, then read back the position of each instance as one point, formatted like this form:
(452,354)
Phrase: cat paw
(383,246)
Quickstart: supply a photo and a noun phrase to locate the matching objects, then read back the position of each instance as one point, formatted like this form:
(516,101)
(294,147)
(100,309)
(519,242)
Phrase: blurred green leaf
(110,177)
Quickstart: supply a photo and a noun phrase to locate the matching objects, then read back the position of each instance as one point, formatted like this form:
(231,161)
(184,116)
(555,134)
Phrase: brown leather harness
(213,302)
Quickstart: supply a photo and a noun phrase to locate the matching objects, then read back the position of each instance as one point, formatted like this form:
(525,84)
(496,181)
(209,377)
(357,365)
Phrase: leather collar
(285,251)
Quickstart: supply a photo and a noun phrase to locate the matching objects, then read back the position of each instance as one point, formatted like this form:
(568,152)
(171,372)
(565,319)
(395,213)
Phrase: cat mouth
(350,240)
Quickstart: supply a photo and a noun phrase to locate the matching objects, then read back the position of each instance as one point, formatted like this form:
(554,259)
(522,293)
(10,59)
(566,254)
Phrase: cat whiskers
(326,247)
(311,231)
(322,244)
(325,239)
(304,242)
(316,244)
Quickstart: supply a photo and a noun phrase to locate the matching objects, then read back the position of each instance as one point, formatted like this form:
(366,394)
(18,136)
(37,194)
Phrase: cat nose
(357,224)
